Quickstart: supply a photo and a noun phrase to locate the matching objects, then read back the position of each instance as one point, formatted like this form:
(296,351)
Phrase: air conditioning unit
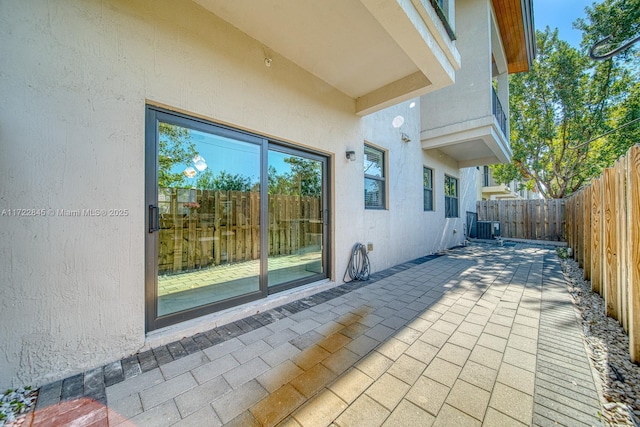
(488,230)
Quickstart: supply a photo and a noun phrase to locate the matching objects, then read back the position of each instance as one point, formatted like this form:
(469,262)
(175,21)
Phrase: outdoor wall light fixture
(397,121)
(405,137)
(351,155)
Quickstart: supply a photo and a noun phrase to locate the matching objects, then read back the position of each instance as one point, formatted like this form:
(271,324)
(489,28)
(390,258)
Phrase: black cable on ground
(359,267)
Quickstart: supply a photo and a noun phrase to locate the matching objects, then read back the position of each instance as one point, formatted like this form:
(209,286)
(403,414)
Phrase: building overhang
(380,53)
(472,143)
(496,190)
(517,31)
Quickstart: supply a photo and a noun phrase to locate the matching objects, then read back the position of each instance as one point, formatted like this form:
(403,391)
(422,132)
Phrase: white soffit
(338,41)
(379,52)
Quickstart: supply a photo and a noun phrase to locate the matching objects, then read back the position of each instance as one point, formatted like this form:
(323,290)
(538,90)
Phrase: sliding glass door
(296,214)
(231,217)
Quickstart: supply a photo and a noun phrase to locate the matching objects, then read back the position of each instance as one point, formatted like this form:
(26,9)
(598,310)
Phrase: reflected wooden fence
(603,230)
(525,219)
(200,228)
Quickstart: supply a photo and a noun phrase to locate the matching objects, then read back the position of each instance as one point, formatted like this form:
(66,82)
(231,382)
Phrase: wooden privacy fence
(200,228)
(603,229)
(525,219)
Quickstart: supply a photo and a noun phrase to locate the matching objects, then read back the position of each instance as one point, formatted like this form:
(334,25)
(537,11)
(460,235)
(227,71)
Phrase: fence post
(610,284)
(596,236)
(569,223)
(621,243)
(633,249)
(586,212)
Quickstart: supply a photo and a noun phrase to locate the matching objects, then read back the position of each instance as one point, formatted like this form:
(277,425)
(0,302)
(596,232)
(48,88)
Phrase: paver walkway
(483,335)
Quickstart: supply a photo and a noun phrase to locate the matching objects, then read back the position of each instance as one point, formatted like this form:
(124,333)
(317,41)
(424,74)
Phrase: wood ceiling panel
(512,24)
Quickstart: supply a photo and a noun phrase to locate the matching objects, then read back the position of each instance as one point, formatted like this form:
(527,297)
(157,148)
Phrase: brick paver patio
(483,335)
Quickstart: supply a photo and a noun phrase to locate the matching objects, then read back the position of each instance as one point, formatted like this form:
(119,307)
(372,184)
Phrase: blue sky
(560,14)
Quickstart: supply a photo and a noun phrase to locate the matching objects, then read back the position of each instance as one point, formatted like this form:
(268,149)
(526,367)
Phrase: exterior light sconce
(351,155)
(405,137)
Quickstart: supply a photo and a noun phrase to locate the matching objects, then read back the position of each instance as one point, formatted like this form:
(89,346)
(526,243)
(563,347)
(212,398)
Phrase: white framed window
(374,178)
(451,205)
(427,188)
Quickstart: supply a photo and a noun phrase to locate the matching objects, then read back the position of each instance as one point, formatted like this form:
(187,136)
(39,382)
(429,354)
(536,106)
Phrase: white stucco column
(503,96)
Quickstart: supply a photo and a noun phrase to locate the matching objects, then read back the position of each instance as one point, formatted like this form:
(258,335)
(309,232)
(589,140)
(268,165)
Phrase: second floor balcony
(499,114)
(469,121)
(379,53)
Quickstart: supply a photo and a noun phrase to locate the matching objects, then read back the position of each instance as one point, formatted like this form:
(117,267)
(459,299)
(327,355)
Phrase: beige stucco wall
(75,79)
(473,29)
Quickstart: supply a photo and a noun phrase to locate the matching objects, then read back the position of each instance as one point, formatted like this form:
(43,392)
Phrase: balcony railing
(498,112)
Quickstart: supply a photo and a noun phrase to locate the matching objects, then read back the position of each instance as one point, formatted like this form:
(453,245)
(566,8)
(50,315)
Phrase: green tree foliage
(304,179)
(175,148)
(224,181)
(564,101)
(619,19)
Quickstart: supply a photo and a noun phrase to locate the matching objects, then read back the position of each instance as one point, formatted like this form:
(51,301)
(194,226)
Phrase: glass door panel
(295,219)
(208,218)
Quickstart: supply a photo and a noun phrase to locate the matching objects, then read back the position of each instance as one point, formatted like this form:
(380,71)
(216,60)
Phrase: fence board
(582,229)
(525,219)
(224,227)
(621,241)
(568,221)
(586,215)
(610,256)
(633,249)
(596,236)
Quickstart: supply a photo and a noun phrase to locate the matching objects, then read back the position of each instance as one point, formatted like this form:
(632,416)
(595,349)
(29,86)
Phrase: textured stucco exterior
(75,79)
(468,130)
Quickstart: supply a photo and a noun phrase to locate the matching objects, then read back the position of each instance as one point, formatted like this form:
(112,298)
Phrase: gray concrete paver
(212,369)
(388,391)
(517,378)
(167,390)
(134,385)
(447,342)
(239,400)
(185,364)
(205,416)
(251,351)
(454,354)
(469,399)
(443,371)
(320,410)
(512,402)
(363,412)
(351,385)
(407,369)
(245,372)
(162,415)
(478,375)
(375,364)
(450,416)
(193,400)
(407,414)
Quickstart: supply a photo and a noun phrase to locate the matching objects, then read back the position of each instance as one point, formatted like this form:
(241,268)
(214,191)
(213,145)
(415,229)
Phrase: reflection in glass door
(208,214)
(295,218)
(232,217)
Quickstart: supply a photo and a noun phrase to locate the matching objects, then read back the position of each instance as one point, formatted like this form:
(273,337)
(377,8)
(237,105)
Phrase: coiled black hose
(358,267)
